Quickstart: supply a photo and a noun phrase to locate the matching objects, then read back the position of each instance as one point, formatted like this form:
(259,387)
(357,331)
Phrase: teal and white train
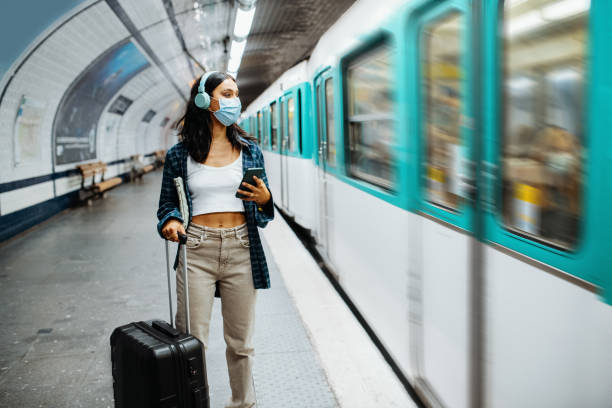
(453,160)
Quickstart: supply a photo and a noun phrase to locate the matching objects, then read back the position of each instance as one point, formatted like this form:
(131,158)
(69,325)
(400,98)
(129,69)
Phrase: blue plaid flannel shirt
(176,165)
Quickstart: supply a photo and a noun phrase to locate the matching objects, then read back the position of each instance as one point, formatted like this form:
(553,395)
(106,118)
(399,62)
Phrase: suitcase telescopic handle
(183,249)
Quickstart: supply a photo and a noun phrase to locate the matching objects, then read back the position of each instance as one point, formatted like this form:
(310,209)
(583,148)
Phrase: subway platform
(67,283)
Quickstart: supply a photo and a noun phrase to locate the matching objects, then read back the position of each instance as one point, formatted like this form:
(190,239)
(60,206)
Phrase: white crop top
(213,189)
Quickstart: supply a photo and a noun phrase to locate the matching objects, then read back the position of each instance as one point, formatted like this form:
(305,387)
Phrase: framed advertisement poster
(26,131)
(76,120)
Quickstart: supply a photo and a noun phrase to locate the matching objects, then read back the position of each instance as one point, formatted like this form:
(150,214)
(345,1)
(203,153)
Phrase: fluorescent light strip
(244,20)
(236,55)
(237,49)
(233,65)
(242,27)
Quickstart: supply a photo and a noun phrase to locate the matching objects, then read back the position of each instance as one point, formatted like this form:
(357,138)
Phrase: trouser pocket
(244,240)
(195,238)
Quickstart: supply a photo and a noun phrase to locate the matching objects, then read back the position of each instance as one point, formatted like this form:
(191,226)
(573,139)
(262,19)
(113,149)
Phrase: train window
(329,116)
(319,116)
(283,114)
(274,127)
(290,123)
(543,130)
(253,129)
(267,125)
(260,129)
(441,79)
(370,120)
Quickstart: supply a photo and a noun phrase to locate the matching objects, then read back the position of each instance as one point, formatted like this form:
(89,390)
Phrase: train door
(548,253)
(275,134)
(253,129)
(441,34)
(262,135)
(281,149)
(323,98)
(292,124)
(284,149)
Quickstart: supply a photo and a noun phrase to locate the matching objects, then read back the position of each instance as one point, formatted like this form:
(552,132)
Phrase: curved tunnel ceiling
(178,38)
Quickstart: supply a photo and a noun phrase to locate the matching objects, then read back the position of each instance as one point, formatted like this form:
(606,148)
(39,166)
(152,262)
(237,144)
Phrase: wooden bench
(99,188)
(139,168)
(160,158)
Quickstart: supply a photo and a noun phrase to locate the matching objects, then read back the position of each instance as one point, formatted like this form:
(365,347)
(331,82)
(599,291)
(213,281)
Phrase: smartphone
(248,177)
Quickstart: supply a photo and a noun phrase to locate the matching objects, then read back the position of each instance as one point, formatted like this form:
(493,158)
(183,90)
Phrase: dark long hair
(195,127)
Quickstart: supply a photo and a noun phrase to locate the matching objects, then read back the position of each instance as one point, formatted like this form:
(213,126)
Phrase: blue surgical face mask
(229,110)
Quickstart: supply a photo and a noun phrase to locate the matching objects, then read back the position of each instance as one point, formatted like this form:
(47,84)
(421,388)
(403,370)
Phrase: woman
(223,243)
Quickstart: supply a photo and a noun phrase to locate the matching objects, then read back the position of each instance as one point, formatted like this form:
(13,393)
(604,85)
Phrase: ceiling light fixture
(236,55)
(242,26)
(244,20)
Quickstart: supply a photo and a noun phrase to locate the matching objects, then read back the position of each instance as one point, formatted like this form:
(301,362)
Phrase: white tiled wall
(179,69)
(55,65)
(134,135)
(25,197)
(163,40)
(142,13)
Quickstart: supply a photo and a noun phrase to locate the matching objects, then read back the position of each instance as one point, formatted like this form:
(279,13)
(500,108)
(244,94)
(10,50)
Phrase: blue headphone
(202,99)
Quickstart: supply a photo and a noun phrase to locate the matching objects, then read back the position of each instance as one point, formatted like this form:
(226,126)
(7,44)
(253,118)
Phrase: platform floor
(67,283)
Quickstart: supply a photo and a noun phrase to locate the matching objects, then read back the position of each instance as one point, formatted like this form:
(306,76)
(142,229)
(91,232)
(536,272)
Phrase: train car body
(451,159)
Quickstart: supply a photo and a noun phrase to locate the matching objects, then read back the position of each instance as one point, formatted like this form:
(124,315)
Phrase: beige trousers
(222,254)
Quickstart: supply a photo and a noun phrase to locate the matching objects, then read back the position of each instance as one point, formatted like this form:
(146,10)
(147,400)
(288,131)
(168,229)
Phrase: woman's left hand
(258,193)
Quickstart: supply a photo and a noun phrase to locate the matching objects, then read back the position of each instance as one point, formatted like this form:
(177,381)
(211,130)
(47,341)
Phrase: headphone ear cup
(202,100)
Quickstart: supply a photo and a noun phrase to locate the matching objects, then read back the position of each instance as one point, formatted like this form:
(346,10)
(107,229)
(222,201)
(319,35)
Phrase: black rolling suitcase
(155,365)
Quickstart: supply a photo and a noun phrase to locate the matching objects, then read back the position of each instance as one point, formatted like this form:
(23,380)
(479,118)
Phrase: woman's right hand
(171,229)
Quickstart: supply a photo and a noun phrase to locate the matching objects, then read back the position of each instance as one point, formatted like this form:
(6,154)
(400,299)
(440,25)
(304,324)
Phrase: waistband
(238,230)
